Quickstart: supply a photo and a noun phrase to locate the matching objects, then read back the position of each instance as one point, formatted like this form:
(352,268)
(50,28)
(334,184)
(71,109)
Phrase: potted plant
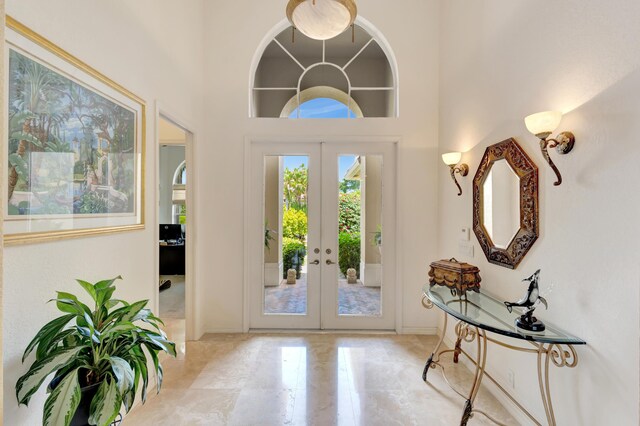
(377,239)
(98,357)
(268,236)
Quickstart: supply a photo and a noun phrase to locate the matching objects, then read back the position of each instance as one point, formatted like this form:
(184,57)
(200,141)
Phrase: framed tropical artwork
(75,150)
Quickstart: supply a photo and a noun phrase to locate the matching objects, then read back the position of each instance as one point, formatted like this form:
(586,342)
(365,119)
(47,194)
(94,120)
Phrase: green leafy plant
(103,346)
(293,253)
(349,185)
(349,212)
(294,224)
(349,252)
(295,184)
(182,219)
(268,235)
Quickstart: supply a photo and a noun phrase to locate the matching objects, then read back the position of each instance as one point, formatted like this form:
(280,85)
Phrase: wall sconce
(542,125)
(451,159)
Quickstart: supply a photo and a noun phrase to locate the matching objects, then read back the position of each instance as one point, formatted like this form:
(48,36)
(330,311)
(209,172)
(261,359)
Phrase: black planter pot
(81,417)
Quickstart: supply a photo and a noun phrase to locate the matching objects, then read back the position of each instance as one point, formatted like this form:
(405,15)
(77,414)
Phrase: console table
(479,313)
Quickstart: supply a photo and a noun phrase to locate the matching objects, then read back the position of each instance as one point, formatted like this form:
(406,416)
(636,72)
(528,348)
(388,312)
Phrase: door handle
(315,262)
(329,262)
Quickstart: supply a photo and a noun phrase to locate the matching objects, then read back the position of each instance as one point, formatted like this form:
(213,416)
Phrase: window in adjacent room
(178,195)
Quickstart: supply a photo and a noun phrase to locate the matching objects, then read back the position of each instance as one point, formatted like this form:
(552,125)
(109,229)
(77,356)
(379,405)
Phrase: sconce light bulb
(451,158)
(542,124)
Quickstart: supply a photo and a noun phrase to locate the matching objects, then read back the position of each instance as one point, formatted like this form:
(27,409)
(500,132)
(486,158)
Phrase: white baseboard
(238,330)
(320,332)
(512,408)
(431,331)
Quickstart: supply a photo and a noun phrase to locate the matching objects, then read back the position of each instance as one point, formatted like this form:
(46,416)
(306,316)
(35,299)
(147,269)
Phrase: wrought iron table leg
(427,366)
(457,349)
(560,358)
(481,361)
(435,355)
(466,413)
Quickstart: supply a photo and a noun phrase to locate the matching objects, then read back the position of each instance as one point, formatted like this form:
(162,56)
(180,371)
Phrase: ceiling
(170,134)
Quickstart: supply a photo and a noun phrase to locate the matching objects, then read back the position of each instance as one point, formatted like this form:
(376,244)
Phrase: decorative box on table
(458,276)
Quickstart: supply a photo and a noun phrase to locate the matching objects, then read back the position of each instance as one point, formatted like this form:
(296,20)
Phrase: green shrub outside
(293,253)
(183,215)
(294,224)
(349,212)
(349,252)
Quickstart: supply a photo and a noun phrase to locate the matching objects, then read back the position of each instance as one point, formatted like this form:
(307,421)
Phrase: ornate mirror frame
(527,172)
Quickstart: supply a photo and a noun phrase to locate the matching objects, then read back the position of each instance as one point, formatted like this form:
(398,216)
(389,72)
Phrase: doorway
(318,216)
(173,219)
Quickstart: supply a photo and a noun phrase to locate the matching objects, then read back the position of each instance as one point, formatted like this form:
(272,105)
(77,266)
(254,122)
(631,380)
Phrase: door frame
(191,327)
(249,141)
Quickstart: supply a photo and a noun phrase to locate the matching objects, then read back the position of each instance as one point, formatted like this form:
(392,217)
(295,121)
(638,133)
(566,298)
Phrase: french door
(321,235)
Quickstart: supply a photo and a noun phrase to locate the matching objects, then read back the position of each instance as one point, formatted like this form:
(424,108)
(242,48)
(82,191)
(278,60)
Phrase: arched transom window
(349,76)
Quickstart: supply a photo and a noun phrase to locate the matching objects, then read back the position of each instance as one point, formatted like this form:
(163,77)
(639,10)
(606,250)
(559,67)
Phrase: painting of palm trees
(71,151)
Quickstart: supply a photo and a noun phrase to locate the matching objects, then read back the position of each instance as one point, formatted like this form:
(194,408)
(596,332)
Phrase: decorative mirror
(505,203)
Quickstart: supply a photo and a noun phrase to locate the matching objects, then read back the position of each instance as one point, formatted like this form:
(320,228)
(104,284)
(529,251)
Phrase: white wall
(154,48)
(234,31)
(171,156)
(501,61)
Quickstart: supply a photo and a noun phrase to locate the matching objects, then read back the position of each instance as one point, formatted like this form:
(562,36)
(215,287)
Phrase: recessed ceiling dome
(322,19)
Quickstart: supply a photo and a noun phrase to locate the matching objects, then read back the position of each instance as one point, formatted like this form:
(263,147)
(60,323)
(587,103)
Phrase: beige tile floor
(307,379)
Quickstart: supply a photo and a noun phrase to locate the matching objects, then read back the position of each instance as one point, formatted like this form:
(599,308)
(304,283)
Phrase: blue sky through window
(344,162)
(323,108)
(294,161)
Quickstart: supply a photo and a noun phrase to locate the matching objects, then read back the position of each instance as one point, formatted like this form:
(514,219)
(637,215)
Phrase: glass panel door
(285,234)
(321,236)
(358,293)
(359,234)
(285,285)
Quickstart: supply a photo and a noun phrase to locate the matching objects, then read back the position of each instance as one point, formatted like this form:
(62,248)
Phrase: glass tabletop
(489,313)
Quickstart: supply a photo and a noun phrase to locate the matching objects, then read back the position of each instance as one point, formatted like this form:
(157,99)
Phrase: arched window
(322,108)
(356,69)
(178,195)
(321,102)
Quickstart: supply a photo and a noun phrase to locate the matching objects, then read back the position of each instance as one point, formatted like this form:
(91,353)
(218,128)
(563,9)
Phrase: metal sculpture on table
(529,302)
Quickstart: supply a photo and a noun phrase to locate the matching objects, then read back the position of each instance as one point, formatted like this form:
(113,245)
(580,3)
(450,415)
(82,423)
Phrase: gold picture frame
(95,182)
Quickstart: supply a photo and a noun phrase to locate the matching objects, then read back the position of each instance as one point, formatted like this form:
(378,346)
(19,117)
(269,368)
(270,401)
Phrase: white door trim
(192,326)
(256,139)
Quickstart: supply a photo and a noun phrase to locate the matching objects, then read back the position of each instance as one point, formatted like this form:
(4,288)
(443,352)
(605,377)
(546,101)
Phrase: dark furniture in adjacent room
(172,250)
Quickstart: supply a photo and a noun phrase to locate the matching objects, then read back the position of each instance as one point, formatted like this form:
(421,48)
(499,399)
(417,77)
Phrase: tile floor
(307,379)
(353,299)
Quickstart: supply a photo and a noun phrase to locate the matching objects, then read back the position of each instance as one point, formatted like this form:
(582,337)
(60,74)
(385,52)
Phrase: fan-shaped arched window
(356,69)
(178,195)
(321,102)
(322,108)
